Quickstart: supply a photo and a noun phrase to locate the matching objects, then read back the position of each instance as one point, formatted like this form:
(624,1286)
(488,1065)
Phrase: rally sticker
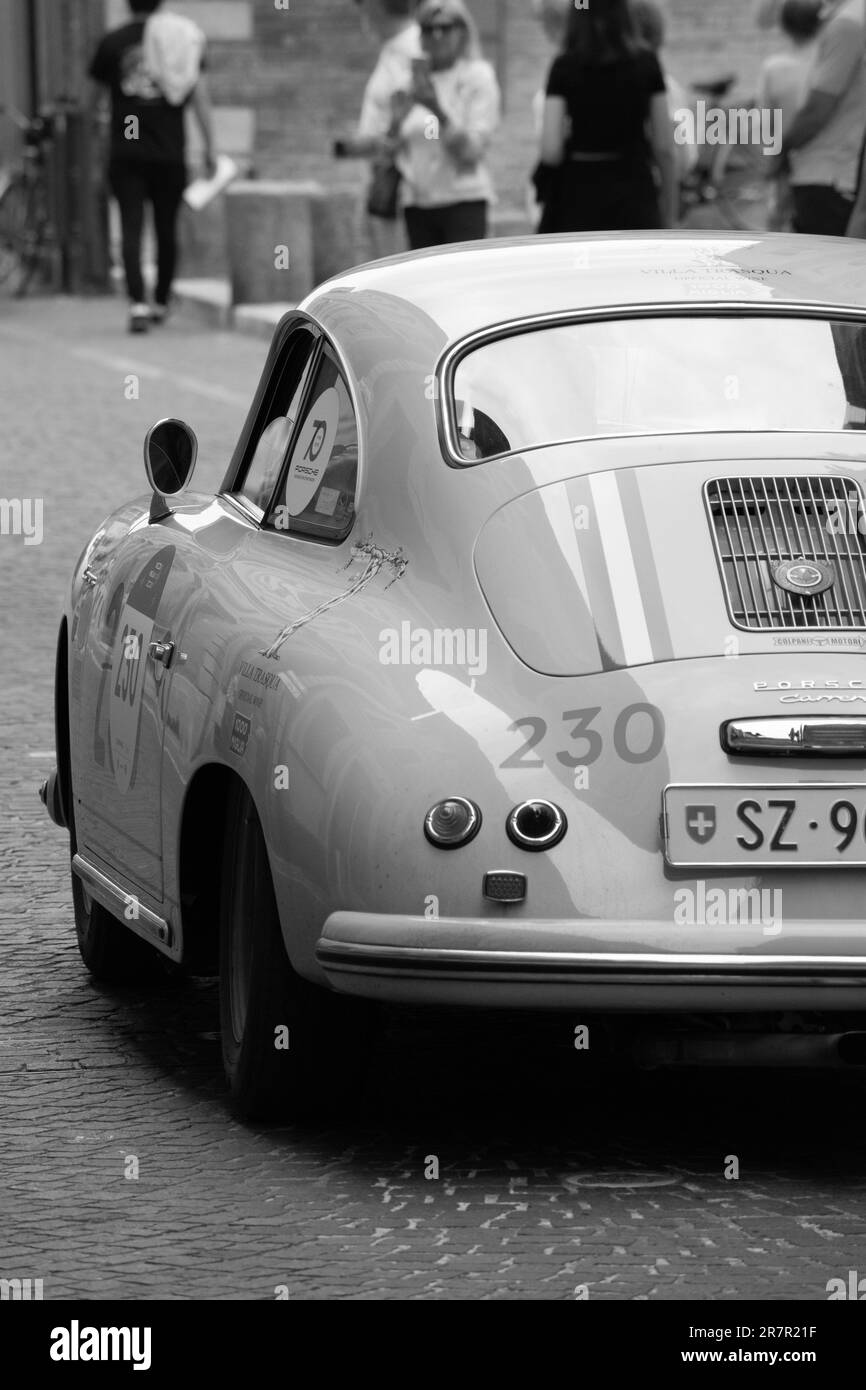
(240,734)
(312,453)
(134,630)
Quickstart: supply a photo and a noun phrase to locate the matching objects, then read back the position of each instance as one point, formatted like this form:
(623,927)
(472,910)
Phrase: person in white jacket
(394,26)
(450,115)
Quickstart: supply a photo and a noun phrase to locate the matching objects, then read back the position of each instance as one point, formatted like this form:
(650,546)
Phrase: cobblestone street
(122,1172)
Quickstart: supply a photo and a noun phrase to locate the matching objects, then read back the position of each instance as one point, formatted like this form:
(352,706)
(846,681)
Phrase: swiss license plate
(815,823)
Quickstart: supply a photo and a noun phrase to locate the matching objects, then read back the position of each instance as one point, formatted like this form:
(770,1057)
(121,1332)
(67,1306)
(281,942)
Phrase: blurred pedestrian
(553,17)
(393,24)
(825,142)
(449,116)
(652,29)
(152,69)
(782,86)
(857,224)
(607,132)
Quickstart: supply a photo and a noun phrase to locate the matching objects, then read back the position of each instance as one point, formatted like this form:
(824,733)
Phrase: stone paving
(121,1171)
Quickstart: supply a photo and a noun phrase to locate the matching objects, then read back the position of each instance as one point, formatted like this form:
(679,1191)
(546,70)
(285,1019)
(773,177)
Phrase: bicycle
(25,220)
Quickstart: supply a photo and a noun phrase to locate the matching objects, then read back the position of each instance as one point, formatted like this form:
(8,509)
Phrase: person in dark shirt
(147,156)
(608,155)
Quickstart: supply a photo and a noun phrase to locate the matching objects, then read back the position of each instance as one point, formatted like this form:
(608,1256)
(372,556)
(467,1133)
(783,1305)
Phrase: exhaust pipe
(806,1050)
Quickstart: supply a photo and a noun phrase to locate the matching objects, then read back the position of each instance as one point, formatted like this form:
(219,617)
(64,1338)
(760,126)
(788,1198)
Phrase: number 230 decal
(638,737)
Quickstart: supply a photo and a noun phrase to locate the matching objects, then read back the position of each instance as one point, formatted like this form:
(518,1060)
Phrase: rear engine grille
(759,522)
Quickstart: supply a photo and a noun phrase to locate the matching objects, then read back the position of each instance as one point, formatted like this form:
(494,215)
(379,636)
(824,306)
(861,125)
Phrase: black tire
(261,996)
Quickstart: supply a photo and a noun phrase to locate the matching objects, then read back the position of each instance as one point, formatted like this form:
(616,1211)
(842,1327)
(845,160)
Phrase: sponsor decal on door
(129,663)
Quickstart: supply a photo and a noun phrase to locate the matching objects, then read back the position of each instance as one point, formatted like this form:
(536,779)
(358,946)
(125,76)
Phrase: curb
(208,302)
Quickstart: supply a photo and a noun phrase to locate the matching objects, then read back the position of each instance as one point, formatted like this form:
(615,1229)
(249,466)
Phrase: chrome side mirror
(170,452)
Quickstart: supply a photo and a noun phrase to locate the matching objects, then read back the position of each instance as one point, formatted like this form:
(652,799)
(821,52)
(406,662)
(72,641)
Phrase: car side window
(278,419)
(316,496)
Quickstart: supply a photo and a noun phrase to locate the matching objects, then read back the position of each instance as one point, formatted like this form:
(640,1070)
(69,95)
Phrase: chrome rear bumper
(599,965)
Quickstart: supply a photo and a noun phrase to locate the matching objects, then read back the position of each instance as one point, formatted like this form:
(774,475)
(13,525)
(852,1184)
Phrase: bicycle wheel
(14,235)
(23,225)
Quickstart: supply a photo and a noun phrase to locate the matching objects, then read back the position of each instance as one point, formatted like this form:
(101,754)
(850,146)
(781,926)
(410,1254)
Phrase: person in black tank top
(607,149)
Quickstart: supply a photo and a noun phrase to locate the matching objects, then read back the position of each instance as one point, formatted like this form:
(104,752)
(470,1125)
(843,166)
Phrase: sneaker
(159,313)
(139,318)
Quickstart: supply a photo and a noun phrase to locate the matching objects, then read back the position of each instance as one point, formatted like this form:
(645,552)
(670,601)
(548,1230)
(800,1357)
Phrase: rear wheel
(288,1046)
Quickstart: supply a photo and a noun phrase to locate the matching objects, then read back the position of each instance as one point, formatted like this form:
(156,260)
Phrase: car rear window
(658,375)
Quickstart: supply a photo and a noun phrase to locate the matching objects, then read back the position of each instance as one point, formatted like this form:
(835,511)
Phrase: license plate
(766,826)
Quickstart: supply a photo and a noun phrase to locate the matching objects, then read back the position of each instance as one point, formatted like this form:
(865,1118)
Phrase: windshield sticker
(327,500)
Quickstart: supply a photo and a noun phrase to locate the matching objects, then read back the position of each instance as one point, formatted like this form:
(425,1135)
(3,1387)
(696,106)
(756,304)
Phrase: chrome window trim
(249,511)
(689,308)
(302,318)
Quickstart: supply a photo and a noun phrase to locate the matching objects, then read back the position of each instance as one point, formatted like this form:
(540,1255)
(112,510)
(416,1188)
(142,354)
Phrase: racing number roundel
(312,453)
(129,663)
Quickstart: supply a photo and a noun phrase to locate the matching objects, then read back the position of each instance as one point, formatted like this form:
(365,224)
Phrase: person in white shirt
(393,23)
(450,115)
(825,142)
(782,86)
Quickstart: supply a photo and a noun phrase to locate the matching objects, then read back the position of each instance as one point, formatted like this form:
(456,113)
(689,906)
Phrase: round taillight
(536,825)
(452,822)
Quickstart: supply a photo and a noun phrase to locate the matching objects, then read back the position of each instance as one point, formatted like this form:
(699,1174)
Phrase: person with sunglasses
(450,114)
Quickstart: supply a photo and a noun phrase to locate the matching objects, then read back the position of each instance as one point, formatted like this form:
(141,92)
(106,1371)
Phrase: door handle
(161,652)
(90,576)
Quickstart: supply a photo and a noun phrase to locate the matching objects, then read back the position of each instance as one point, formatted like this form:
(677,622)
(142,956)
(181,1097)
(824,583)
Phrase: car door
(127,648)
(151,594)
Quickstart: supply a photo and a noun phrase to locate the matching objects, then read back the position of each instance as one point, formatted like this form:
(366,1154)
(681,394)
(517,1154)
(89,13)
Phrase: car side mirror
(170,452)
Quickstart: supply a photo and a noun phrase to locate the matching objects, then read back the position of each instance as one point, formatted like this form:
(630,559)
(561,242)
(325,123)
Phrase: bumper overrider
(51,796)
(593,964)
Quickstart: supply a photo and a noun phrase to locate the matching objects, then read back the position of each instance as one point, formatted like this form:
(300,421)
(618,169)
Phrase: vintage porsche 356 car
(519,659)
